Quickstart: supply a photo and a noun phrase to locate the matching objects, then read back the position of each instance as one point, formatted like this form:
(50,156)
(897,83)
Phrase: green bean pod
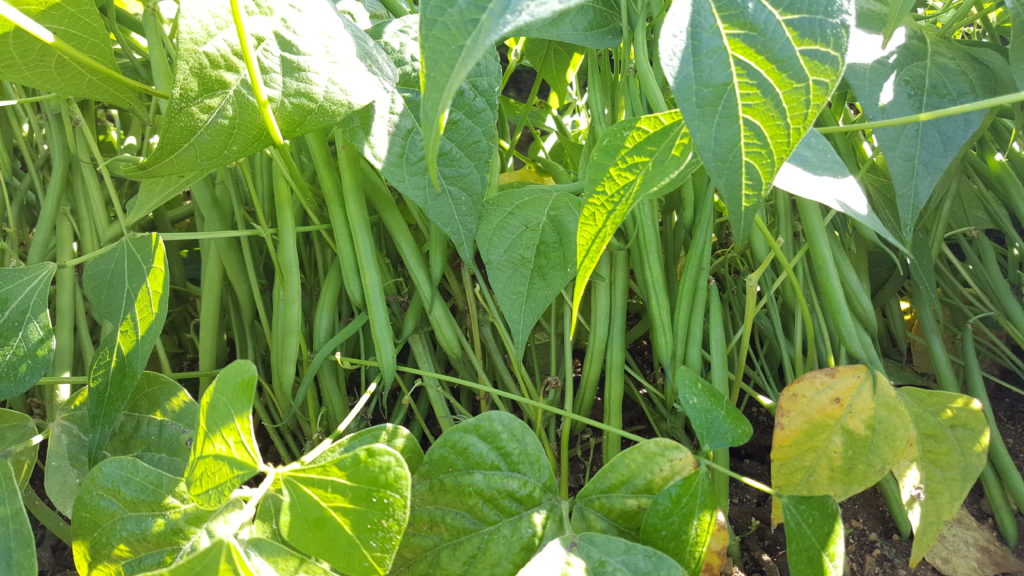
(286,317)
(647,254)
(615,358)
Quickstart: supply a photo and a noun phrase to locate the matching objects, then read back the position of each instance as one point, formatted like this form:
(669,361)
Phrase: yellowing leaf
(838,431)
(528,175)
(718,547)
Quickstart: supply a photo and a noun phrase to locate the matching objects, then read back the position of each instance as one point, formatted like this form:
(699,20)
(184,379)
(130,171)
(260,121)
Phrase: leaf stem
(255,77)
(930,115)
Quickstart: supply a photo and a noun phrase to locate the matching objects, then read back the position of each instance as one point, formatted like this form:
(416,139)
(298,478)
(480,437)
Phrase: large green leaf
(17,428)
(269,557)
(155,192)
(947,451)
(814,171)
(483,501)
(17,543)
(351,511)
(131,517)
(317,67)
(26,335)
(593,554)
(716,421)
(127,288)
(27,60)
(454,35)
(157,427)
(814,535)
(838,431)
(1016,11)
(391,435)
(225,453)
(681,520)
(528,247)
(750,78)
(614,501)
(390,136)
(920,70)
(635,159)
(591,23)
(221,557)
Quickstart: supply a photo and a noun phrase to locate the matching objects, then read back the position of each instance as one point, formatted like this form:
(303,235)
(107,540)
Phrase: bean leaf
(16,539)
(26,334)
(483,501)
(25,59)
(635,159)
(919,71)
(225,453)
(814,535)
(614,501)
(317,67)
(838,431)
(682,519)
(594,554)
(391,435)
(350,511)
(527,243)
(716,421)
(750,78)
(948,449)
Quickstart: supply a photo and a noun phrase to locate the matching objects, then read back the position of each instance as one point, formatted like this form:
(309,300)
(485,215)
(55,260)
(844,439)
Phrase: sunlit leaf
(635,159)
(391,435)
(483,501)
(316,65)
(26,335)
(815,541)
(157,427)
(350,511)
(225,453)
(947,451)
(682,519)
(615,500)
(750,78)
(131,517)
(920,70)
(528,248)
(27,60)
(594,554)
(127,288)
(837,432)
(17,543)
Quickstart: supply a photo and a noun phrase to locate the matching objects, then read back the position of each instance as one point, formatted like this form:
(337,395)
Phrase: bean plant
(489,287)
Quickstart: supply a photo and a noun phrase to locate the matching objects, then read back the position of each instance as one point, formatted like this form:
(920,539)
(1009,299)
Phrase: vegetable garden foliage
(322,217)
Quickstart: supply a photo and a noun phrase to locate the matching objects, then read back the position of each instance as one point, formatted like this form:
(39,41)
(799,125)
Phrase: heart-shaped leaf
(838,431)
(750,78)
(682,519)
(317,67)
(717,422)
(814,535)
(225,453)
(483,501)
(350,511)
(614,501)
(26,335)
(527,242)
(947,451)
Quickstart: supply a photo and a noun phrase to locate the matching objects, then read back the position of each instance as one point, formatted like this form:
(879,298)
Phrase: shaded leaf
(635,159)
(390,136)
(26,334)
(455,34)
(17,542)
(815,541)
(594,554)
(351,511)
(837,432)
(592,23)
(527,243)
(556,63)
(157,427)
(814,171)
(391,435)
(716,421)
(1016,10)
(127,288)
(225,453)
(155,192)
(682,519)
(131,517)
(919,71)
(615,500)
(317,67)
(750,78)
(24,59)
(16,428)
(483,501)
(947,451)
